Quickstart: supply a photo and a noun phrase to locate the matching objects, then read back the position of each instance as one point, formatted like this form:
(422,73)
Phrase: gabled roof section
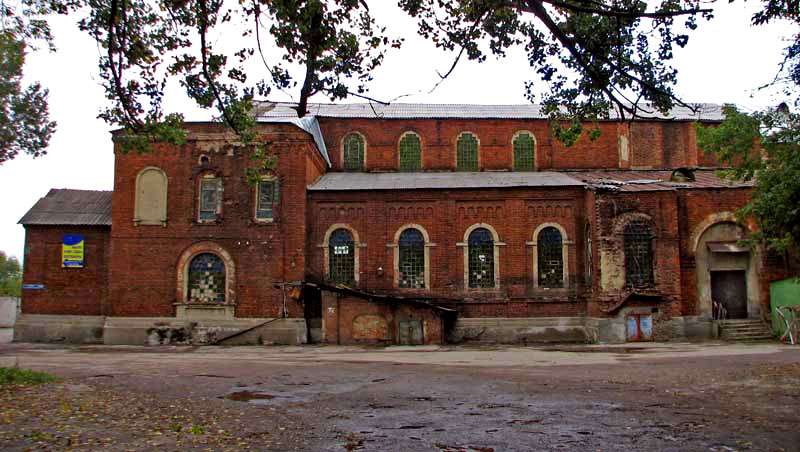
(449,180)
(64,207)
(308,124)
(267,110)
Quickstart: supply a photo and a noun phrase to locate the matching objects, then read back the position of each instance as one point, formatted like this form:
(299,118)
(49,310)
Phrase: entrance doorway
(729,288)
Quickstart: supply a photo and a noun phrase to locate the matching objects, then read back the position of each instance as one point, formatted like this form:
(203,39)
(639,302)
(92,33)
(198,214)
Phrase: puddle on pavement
(246,396)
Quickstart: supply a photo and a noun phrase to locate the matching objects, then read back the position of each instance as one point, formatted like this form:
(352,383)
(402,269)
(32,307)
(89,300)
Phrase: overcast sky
(725,60)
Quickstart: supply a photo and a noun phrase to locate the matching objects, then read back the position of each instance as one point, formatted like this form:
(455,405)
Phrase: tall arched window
(206,279)
(638,244)
(467,152)
(481,259)
(411,259)
(341,255)
(410,152)
(353,152)
(524,151)
(550,255)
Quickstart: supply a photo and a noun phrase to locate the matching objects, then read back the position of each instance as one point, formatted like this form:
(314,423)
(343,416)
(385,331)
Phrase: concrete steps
(742,330)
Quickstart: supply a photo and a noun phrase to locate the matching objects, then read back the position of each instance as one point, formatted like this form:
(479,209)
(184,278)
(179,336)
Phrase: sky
(724,62)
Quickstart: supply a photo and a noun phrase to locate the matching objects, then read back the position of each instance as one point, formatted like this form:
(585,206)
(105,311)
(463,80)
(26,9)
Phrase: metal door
(409,332)
(639,327)
(730,289)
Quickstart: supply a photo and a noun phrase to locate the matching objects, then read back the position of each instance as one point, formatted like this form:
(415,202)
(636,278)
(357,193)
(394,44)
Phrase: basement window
(638,246)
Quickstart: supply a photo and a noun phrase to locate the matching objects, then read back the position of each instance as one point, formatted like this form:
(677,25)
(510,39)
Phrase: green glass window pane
(550,258)
(467,152)
(267,199)
(410,153)
(411,264)
(480,257)
(524,152)
(341,257)
(353,152)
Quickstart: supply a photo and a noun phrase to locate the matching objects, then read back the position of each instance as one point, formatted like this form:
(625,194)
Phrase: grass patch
(14,375)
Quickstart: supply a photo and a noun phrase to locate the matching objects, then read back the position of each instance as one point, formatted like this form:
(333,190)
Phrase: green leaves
(10,276)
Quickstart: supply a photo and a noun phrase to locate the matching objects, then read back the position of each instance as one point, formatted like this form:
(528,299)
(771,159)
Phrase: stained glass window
(410,153)
(210,198)
(638,254)
(524,152)
(550,258)
(267,199)
(411,263)
(467,152)
(480,257)
(341,255)
(206,279)
(353,152)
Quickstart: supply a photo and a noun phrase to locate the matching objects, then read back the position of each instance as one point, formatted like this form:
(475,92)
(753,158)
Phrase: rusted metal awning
(726,247)
(420,302)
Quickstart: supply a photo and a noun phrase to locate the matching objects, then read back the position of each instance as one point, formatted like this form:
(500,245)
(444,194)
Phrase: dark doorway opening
(312,311)
(729,288)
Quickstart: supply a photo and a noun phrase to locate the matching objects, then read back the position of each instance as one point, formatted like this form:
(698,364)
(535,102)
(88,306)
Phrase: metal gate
(730,289)
(409,332)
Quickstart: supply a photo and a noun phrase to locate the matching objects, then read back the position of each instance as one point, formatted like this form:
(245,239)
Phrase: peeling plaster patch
(612,270)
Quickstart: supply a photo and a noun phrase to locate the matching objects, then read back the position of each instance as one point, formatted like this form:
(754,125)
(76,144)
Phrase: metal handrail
(718,312)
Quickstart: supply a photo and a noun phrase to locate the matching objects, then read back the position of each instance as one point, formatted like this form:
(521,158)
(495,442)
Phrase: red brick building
(403,223)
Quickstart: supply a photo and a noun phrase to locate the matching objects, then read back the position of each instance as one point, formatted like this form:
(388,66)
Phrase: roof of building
(268,111)
(310,125)
(450,180)
(654,180)
(71,207)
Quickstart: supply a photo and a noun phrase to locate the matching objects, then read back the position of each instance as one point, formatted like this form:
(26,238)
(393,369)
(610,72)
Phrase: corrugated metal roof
(411,181)
(310,125)
(71,207)
(268,110)
(655,180)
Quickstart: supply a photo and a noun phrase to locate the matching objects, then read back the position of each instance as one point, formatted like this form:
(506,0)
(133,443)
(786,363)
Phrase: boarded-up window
(151,197)
(481,259)
(638,254)
(524,152)
(410,152)
(551,258)
(210,198)
(353,152)
(341,255)
(267,199)
(467,152)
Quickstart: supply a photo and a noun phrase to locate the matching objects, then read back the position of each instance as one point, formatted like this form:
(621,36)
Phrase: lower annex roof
(410,181)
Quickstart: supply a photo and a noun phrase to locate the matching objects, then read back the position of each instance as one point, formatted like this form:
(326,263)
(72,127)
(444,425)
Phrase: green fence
(785,292)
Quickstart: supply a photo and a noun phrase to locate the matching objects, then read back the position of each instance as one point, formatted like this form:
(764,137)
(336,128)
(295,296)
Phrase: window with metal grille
(638,254)
(341,257)
(410,153)
(206,279)
(480,257)
(411,265)
(550,258)
(210,198)
(267,199)
(467,152)
(524,152)
(353,152)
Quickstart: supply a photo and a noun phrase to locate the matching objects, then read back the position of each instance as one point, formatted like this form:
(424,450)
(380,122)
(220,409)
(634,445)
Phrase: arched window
(638,244)
(467,152)
(151,197)
(206,279)
(524,152)
(410,151)
(481,259)
(341,255)
(411,259)
(550,255)
(353,152)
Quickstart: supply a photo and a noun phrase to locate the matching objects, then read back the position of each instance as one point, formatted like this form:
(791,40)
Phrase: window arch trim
(183,271)
(162,214)
(565,244)
(477,150)
(363,155)
(534,165)
(395,245)
(497,245)
(357,245)
(399,156)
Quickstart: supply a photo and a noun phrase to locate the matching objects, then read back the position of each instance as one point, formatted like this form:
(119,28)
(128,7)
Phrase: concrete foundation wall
(518,330)
(9,309)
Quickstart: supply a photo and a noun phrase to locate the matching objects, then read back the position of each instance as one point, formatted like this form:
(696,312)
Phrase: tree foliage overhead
(10,276)
(24,121)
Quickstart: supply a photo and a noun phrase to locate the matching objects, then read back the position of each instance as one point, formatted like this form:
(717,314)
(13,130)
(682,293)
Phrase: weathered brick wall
(653,144)
(68,291)
(143,260)
(376,216)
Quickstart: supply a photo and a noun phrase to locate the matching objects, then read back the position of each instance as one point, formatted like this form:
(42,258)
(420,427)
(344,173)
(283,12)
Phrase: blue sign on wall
(33,286)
